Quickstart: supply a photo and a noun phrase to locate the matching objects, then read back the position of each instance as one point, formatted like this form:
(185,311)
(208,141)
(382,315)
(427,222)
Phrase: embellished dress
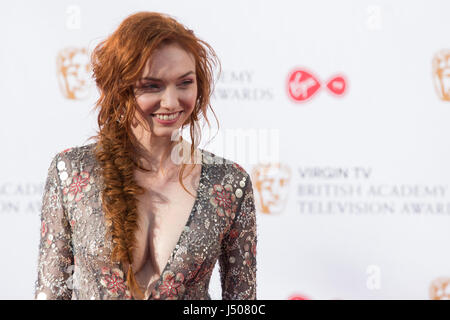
(75,249)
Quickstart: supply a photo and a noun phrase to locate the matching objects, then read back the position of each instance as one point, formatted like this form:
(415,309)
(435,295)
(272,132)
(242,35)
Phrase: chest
(163,212)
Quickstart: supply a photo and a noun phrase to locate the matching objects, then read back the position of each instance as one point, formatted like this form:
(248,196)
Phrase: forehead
(169,60)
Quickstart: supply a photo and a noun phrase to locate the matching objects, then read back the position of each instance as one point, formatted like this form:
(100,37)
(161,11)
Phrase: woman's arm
(55,261)
(238,259)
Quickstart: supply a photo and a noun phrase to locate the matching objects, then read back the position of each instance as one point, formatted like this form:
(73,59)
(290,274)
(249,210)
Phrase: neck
(154,156)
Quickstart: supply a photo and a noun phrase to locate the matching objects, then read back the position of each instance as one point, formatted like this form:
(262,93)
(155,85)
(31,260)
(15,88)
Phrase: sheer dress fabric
(74,251)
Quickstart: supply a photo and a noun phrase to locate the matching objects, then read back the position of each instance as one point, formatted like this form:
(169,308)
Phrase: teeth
(166,117)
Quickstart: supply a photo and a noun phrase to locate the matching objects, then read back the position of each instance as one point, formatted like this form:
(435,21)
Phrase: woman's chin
(164,132)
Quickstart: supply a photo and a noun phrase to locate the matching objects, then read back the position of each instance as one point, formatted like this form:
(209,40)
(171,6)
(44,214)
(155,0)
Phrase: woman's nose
(169,98)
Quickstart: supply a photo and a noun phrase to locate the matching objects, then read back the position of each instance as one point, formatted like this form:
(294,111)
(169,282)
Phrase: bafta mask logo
(441,74)
(271,183)
(74,73)
(440,289)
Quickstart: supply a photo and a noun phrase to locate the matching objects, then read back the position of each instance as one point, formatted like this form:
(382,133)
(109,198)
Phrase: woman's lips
(167,121)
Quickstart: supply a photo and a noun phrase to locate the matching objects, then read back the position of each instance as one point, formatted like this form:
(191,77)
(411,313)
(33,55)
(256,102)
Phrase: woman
(117,220)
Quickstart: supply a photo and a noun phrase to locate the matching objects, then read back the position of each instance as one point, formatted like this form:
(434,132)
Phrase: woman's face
(168,87)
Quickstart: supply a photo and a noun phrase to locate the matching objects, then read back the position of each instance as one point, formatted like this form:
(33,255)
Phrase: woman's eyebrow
(156,79)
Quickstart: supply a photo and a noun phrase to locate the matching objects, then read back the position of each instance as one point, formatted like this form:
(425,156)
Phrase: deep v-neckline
(183,232)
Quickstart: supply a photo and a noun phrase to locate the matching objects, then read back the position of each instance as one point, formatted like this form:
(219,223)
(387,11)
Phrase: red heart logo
(337,85)
(302,85)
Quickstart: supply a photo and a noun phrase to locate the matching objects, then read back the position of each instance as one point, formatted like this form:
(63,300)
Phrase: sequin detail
(74,253)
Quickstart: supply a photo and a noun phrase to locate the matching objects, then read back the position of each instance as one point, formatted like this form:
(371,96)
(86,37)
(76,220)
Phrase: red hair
(117,63)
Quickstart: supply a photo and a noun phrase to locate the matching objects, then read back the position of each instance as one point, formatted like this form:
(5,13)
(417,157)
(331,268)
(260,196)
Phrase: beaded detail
(74,253)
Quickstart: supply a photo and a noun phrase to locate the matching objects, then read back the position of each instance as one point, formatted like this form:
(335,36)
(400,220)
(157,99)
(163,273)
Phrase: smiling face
(167,92)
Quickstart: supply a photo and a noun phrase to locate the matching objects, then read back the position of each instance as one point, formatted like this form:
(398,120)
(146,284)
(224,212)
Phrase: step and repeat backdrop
(339,110)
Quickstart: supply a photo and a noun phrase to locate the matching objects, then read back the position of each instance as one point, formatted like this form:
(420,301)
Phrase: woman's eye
(186,82)
(155,86)
(151,86)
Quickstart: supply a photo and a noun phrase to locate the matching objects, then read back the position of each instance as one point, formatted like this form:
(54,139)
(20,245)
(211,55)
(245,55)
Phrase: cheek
(145,102)
(189,97)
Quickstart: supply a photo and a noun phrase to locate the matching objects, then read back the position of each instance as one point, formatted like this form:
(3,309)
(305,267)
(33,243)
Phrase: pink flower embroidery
(172,286)
(234,233)
(254,249)
(43,229)
(79,184)
(238,167)
(113,281)
(223,199)
(48,242)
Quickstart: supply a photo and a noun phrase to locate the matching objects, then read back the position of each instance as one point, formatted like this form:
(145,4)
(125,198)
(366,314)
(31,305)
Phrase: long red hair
(117,63)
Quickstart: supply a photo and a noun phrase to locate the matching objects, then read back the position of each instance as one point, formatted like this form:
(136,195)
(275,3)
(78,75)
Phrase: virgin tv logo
(302,85)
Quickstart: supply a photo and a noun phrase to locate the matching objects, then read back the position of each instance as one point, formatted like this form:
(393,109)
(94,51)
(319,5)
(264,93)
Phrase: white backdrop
(361,206)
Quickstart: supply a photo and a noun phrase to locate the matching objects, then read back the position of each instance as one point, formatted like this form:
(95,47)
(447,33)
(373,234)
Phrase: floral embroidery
(250,251)
(247,259)
(43,229)
(223,199)
(81,230)
(239,167)
(234,233)
(113,281)
(78,185)
(172,286)
(200,271)
(48,242)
